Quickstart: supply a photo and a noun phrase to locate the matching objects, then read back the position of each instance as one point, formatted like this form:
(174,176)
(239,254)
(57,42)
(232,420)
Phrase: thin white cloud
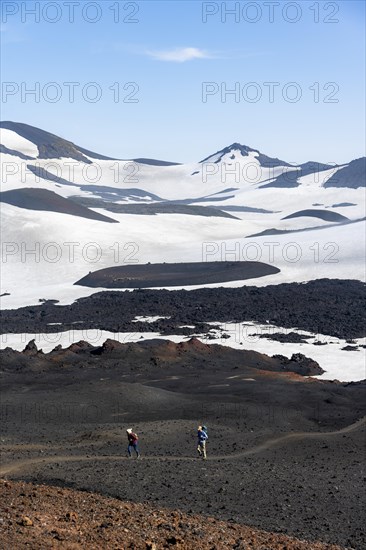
(180,55)
(10,34)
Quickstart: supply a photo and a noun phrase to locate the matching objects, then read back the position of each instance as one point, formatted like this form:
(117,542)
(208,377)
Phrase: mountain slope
(48,201)
(351,175)
(51,146)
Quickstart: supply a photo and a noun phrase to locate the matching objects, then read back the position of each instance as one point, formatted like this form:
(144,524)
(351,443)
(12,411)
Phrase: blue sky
(162,62)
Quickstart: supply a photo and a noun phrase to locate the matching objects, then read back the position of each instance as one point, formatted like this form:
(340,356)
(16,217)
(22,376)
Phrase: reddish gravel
(42,517)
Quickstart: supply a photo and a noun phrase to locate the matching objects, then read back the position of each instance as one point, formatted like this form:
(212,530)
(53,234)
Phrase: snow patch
(15,142)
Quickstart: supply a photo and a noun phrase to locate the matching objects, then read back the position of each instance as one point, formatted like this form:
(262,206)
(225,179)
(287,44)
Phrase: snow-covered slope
(44,253)
(17,145)
(51,242)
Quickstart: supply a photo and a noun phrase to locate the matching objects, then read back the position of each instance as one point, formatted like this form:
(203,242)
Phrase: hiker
(202,438)
(132,443)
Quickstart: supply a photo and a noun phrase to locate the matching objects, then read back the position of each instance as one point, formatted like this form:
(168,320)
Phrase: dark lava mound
(179,274)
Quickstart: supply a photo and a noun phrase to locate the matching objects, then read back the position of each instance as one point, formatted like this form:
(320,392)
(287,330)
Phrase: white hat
(129,430)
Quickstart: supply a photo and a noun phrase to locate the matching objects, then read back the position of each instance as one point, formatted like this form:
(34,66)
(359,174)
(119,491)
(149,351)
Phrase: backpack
(202,435)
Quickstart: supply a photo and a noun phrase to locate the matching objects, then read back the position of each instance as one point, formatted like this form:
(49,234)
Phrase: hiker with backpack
(132,443)
(202,438)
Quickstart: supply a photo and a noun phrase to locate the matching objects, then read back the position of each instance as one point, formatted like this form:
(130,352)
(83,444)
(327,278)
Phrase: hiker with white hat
(132,443)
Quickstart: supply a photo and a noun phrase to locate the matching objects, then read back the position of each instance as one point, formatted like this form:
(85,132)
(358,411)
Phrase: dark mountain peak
(239,147)
(244,150)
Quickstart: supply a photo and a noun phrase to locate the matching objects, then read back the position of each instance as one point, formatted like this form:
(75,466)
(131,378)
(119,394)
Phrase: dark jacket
(132,438)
